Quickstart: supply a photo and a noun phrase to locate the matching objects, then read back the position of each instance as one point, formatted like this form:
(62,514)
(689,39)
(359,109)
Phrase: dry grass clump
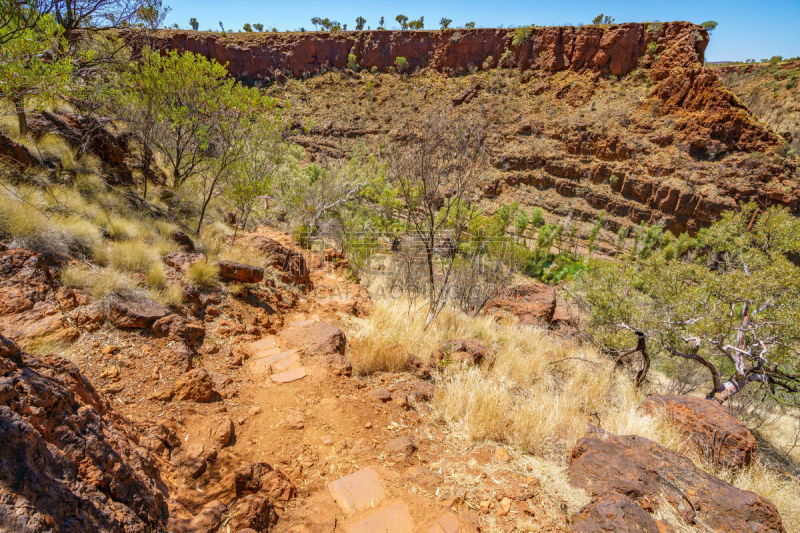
(170,295)
(132,256)
(539,394)
(203,274)
(99,283)
(156,276)
(27,226)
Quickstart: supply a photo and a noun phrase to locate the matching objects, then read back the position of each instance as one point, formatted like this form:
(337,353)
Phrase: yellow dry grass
(538,394)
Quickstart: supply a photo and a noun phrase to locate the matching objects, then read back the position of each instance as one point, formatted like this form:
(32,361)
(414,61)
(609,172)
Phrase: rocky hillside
(771,91)
(622,119)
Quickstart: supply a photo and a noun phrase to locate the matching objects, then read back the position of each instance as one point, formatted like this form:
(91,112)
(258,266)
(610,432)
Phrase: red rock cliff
(616,49)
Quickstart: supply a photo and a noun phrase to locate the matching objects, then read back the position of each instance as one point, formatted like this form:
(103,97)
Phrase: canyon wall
(265,56)
(624,119)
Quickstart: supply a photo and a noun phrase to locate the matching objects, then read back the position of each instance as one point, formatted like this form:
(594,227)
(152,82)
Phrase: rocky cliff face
(613,50)
(623,119)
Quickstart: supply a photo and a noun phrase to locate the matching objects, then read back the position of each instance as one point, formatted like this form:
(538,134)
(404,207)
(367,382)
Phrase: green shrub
(521,35)
(401,63)
(651,47)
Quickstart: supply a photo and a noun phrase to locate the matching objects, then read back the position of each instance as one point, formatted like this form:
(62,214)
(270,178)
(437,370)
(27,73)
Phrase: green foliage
(602,20)
(247,27)
(709,25)
(259,27)
(360,22)
(444,23)
(403,21)
(521,35)
(651,47)
(352,61)
(32,65)
(726,300)
(401,63)
(195,25)
(654,27)
(416,24)
(469,25)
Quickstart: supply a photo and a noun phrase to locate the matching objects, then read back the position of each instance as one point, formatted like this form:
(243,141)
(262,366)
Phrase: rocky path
(350,458)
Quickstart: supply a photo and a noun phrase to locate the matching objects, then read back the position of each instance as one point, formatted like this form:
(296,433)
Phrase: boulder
(649,473)
(30,300)
(261,477)
(316,338)
(178,328)
(233,271)
(252,511)
(184,241)
(135,311)
(290,263)
(613,512)
(466,351)
(401,447)
(15,154)
(709,427)
(181,261)
(67,461)
(195,385)
(533,303)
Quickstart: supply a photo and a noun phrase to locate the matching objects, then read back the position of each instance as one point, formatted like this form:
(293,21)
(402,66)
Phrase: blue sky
(746,29)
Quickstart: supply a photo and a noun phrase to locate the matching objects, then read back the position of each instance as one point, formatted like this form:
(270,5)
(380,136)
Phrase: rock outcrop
(233,271)
(32,303)
(649,474)
(66,462)
(708,425)
(533,303)
(290,264)
(134,311)
(613,512)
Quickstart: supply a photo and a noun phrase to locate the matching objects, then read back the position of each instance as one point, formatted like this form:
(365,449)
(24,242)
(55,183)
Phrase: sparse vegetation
(203,274)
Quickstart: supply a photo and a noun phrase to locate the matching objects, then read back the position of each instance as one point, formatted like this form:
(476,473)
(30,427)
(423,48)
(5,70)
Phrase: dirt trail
(263,425)
(297,410)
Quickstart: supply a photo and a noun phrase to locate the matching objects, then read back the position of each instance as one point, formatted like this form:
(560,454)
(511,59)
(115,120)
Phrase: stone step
(261,345)
(359,491)
(289,375)
(449,523)
(393,518)
(285,363)
(300,323)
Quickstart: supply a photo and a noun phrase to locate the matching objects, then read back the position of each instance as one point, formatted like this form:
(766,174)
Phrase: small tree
(31,65)
(433,175)
(417,24)
(602,19)
(469,25)
(709,25)
(445,23)
(403,21)
(194,23)
(726,301)
(380,24)
(360,22)
(259,27)
(247,27)
(316,21)
(174,100)
(401,63)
